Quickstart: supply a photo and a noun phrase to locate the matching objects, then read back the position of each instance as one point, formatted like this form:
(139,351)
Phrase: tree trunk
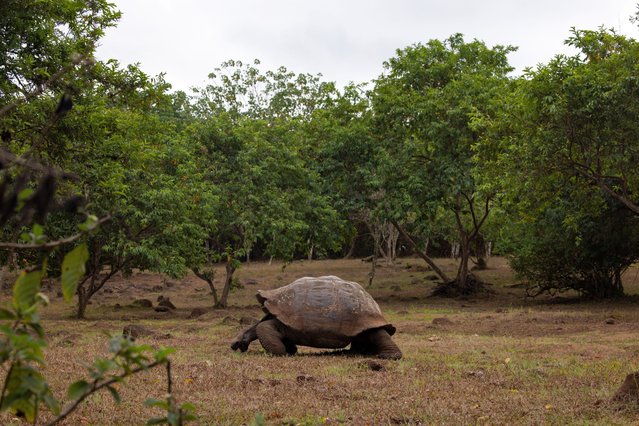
(83,300)
(208,278)
(390,235)
(95,284)
(464,256)
(311,250)
(228,280)
(421,253)
(351,249)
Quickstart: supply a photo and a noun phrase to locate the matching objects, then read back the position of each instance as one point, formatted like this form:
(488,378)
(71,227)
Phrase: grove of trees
(446,146)
(104,170)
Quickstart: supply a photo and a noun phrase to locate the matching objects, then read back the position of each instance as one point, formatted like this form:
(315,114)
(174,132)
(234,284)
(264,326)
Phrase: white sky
(345,40)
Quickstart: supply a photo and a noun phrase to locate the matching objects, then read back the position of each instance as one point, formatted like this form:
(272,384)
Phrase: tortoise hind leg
(291,348)
(376,342)
(270,335)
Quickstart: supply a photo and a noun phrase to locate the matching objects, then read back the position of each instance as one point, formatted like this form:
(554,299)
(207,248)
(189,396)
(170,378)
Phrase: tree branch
(97,386)
(54,244)
(81,60)
(421,254)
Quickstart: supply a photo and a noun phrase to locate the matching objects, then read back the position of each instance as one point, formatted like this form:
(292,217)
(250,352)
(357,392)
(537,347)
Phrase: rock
(248,320)
(228,320)
(117,307)
(249,281)
(197,312)
(143,303)
(170,283)
(373,365)
(305,378)
(442,321)
(611,321)
(157,288)
(164,301)
(478,373)
(134,331)
(162,308)
(629,390)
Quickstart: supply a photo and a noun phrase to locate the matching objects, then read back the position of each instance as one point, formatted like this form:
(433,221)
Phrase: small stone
(197,312)
(305,378)
(611,321)
(442,321)
(228,320)
(629,390)
(248,320)
(161,308)
(143,303)
(373,365)
(165,301)
(133,331)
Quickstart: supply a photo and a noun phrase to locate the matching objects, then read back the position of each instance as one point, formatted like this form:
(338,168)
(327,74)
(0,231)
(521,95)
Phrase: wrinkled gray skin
(279,339)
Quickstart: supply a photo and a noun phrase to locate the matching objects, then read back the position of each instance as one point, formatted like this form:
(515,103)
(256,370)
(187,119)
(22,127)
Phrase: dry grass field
(501,359)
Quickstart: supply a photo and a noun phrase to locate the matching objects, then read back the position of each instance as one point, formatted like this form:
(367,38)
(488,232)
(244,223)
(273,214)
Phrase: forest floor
(496,359)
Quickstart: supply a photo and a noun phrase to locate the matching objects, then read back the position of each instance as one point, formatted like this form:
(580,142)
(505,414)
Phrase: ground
(498,359)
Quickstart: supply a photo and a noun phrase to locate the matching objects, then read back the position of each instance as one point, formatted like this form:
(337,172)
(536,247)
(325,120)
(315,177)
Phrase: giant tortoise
(321,312)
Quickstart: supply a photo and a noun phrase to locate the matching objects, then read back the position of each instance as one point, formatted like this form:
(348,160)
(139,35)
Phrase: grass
(502,359)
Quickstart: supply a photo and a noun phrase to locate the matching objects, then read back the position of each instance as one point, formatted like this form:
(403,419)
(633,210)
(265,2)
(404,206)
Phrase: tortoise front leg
(376,342)
(271,337)
(244,339)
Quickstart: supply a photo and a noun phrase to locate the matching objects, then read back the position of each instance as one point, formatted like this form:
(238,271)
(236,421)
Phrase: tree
(131,164)
(248,143)
(423,110)
(567,143)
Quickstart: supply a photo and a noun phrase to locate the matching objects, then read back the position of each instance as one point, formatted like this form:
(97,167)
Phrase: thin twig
(82,60)
(169,383)
(96,387)
(54,244)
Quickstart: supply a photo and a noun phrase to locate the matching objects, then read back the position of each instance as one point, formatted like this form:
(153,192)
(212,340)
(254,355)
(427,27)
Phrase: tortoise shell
(317,306)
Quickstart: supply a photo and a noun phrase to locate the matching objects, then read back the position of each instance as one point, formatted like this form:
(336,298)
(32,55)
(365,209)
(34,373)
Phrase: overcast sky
(345,40)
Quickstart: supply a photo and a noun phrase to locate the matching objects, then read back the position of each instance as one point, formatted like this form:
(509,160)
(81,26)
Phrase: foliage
(424,107)
(564,147)
(248,146)
(555,252)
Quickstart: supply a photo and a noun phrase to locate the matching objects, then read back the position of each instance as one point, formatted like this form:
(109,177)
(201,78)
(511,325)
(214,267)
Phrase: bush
(556,253)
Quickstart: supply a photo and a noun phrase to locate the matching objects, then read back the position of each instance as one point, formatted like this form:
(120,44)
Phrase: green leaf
(25,289)
(163,354)
(114,393)
(162,403)
(6,314)
(77,389)
(73,268)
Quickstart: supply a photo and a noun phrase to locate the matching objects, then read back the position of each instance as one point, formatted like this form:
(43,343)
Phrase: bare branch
(97,386)
(54,244)
(81,60)
(421,254)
